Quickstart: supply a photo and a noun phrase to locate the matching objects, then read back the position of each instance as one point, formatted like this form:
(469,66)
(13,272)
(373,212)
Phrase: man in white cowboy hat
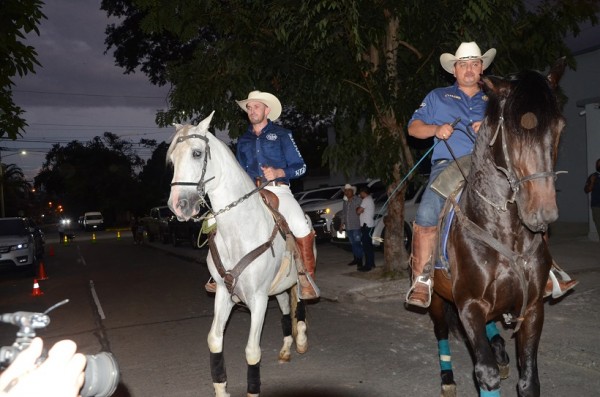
(451,114)
(268,153)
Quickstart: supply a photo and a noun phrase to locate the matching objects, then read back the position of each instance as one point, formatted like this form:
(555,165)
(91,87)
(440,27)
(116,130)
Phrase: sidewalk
(569,245)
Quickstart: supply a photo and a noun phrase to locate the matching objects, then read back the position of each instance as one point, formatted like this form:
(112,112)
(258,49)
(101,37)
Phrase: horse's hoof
(252,395)
(504,371)
(301,339)
(285,358)
(448,390)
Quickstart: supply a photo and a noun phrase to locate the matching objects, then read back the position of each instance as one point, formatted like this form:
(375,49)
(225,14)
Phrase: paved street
(363,342)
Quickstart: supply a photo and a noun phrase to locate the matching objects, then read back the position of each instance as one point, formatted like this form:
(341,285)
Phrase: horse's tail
(453,321)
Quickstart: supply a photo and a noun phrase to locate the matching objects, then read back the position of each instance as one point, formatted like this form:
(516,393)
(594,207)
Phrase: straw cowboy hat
(467,51)
(348,186)
(269,100)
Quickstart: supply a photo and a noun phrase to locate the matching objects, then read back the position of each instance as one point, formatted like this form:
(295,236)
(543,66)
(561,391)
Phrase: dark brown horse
(498,261)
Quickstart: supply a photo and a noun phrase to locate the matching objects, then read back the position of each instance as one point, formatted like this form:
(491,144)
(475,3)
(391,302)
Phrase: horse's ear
(556,72)
(177,126)
(492,85)
(206,122)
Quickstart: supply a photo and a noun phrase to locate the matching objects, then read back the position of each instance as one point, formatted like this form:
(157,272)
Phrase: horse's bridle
(201,184)
(509,172)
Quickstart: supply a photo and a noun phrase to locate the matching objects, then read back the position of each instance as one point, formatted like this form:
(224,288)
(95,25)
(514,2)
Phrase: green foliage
(362,66)
(17,19)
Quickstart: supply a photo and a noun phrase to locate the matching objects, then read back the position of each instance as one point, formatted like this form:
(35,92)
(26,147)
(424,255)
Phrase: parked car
(412,198)
(321,212)
(318,194)
(93,221)
(21,243)
(156,224)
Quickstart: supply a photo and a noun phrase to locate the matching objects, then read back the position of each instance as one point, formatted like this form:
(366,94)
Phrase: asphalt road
(149,308)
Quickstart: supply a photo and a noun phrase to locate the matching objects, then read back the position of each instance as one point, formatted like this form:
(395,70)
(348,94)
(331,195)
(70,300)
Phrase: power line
(89,95)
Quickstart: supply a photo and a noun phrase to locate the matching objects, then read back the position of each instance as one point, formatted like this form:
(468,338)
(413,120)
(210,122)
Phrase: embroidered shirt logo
(271,137)
(453,96)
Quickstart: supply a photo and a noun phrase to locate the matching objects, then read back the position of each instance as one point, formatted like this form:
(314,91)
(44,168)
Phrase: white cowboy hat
(464,52)
(348,186)
(269,100)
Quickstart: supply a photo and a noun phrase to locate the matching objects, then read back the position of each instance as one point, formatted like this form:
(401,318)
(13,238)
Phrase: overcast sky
(79,93)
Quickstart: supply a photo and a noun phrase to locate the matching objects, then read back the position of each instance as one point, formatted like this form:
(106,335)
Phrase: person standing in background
(592,185)
(366,212)
(351,223)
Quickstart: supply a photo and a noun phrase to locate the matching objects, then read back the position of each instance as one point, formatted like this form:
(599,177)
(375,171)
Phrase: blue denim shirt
(444,105)
(274,147)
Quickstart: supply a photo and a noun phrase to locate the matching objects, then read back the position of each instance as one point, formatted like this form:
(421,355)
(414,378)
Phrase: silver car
(21,243)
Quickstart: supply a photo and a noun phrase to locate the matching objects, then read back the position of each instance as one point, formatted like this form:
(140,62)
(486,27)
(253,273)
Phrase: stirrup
(311,284)
(423,280)
(211,286)
(556,291)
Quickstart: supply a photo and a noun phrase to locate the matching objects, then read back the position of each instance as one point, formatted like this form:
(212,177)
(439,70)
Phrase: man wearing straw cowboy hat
(268,153)
(448,114)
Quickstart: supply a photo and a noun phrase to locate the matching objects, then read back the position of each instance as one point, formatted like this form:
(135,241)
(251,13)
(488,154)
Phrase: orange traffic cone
(37,291)
(66,240)
(51,250)
(118,234)
(93,238)
(42,272)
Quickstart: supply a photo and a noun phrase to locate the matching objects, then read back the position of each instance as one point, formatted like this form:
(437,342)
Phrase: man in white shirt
(366,213)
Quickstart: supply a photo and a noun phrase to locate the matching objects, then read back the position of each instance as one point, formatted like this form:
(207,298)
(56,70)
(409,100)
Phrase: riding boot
(423,244)
(306,274)
(558,287)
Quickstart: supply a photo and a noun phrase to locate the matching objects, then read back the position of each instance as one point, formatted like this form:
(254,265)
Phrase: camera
(101,371)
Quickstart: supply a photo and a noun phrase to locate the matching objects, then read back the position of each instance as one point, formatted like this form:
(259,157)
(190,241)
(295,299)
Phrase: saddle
(290,258)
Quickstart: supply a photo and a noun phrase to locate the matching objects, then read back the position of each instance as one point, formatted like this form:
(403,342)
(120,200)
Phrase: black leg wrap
(286,325)
(301,311)
(254,378)
(217,368)
(447,377)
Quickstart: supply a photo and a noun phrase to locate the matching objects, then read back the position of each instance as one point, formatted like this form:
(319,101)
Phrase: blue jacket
(274,147)
(444,105)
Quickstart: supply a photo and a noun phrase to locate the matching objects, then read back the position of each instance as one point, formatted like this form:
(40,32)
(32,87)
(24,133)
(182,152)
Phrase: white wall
(575,148)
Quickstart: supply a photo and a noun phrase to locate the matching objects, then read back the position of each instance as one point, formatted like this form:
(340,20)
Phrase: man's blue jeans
(431,203)
(354,236)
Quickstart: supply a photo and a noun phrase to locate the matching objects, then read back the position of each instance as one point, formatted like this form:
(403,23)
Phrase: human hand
(443,131)
(60,375)
(476,125)
(271,173)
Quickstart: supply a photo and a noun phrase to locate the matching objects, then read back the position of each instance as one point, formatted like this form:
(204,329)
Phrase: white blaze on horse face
(187,157)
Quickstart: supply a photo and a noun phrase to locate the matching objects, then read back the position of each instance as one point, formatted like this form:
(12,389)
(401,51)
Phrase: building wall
(579,86)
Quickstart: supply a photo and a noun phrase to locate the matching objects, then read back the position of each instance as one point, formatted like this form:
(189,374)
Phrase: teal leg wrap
(491,330)
(491,393)
(445,357)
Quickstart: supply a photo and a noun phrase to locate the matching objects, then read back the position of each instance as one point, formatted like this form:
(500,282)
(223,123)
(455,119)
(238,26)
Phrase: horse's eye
(196,154)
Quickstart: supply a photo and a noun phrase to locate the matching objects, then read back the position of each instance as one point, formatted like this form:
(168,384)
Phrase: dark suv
(21,243)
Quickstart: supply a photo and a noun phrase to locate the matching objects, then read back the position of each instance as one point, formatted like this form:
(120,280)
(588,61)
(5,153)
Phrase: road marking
(96,300)
(81,258)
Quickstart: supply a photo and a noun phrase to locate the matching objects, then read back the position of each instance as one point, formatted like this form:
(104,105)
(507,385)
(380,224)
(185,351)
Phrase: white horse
(205,165)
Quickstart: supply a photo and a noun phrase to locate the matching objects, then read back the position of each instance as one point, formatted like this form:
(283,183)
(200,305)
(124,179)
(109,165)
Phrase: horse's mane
(519,94)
